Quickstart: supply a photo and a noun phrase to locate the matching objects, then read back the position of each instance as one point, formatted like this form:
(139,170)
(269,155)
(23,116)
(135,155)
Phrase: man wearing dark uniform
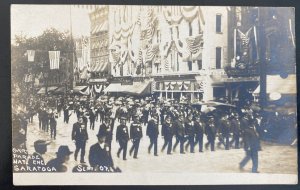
(251,144)
(225,131)
(136,134)
(53,124)
(180,133)
(106,129)
(152,132)
(66,114)
(199,131)
(122,137)
(190,132)
(80,136)
(235,127)
(211,134)
(167,132)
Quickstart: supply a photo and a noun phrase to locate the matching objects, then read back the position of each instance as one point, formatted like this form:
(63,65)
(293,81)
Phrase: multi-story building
(99,67)
(181,49)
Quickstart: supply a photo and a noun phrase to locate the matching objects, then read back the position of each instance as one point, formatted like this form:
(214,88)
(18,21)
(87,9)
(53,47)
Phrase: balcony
(250,71)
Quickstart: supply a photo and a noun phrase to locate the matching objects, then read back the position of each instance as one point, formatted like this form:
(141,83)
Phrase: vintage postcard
(153,95)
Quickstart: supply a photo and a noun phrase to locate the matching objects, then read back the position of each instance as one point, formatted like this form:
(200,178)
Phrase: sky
(32,20)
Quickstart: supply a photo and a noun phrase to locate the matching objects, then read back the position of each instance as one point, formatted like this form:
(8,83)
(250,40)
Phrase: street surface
(273,158)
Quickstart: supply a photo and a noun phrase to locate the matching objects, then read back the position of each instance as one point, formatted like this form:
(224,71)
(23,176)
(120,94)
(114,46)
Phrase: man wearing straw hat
(136,134)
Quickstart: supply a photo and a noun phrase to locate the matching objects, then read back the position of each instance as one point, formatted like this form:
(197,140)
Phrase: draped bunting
(98,88)
(166,64)
(85,91)
(123,56)
(194,43)
(172,18)
(245,38)
(140,58)
(151,52)
(189,13)
(185,85)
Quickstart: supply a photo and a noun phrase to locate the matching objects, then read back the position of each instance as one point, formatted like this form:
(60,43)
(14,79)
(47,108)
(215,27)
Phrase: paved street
(273,158)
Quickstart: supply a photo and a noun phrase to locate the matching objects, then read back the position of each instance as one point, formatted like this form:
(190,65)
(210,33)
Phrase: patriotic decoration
(194,43)
(185,85)
(30,55)
(54,59)
(199,86)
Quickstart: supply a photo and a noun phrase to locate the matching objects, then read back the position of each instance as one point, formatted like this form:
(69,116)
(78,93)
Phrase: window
(190,29)
(218,58)
(199,63)
(190,65)
(218,23)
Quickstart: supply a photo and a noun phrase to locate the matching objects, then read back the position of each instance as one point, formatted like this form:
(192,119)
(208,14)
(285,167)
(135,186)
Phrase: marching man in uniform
(122,137)
(136,134)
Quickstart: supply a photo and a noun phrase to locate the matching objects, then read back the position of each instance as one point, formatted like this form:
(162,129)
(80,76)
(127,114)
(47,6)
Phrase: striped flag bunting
(166,63)
(245,37)
(30,55)
(54,59)
(194,43)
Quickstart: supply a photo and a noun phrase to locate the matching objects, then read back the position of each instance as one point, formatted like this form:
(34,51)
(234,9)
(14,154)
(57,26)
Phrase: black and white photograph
(153,95)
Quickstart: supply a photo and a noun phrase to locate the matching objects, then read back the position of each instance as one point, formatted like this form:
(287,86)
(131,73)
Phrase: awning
(60,90)
(100,27)
(137,88)
(101,67)
(49,89)
(77,89)
(279,85)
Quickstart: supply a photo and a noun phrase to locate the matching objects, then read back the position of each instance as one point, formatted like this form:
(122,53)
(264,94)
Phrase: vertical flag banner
(54,59)
(30,55)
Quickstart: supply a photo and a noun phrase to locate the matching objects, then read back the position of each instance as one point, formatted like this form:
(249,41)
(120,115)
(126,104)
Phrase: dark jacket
(136,131)
(122,133)
(179,128)
(167,130)
(57,164)
(78,133)
(211,131)
(99,156)
(251,139)
(105,128)
(152,129)
(189,128)
(199,127)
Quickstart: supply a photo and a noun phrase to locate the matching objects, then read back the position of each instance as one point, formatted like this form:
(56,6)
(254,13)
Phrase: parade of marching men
(128,88)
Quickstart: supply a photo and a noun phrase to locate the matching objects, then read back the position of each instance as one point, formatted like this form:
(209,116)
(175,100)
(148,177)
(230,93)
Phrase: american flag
(30,54)
(54,59)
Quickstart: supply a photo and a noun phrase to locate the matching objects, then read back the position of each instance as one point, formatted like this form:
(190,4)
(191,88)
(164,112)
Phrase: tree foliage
(50,40)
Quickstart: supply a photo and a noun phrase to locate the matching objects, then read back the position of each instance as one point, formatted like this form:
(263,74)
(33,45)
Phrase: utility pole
(262,57)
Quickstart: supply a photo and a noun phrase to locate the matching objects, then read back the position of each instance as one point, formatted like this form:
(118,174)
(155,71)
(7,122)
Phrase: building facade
(182,50)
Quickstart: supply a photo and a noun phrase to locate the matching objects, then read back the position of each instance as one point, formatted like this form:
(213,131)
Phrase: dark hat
(63,150)
(135,116)
(41,143)
(101,132)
